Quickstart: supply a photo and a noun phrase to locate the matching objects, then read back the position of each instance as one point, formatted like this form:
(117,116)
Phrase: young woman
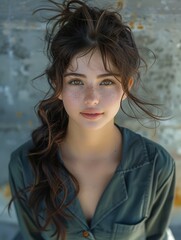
(81,175)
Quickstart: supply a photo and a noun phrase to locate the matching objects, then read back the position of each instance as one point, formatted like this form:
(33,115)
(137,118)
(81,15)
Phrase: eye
(75,82)
(107,82)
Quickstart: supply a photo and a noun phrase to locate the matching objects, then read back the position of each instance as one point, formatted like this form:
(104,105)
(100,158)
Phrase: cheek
(70,97)
(114,98)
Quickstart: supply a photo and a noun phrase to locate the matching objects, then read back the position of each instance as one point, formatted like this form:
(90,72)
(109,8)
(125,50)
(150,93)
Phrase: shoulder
(140,151)
(19,165)
(162,161)
(21,153)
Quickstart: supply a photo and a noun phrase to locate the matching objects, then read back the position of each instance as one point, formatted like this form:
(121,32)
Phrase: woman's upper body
(81,174)
(135,204)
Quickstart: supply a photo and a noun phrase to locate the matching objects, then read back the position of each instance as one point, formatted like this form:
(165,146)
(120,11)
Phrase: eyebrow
(99,76)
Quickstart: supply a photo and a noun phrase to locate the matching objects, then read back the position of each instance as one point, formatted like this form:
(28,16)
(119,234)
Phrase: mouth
(91,115)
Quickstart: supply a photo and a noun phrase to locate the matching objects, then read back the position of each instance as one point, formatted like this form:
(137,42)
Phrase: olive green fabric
(135,205)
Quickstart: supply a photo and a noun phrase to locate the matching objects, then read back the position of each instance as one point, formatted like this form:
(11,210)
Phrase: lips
(91,115)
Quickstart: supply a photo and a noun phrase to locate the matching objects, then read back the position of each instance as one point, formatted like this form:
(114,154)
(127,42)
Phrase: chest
(122,210)
(93,180)
(92,184)
(90,194)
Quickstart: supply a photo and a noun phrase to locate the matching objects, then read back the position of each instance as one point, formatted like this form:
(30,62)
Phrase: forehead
(91,61)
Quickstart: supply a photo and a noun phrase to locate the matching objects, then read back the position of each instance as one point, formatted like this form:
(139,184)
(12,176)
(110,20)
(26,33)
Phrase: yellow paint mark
(177,200)
(7,191)
(19,114)
(120,4)
(131,24)
(140,26)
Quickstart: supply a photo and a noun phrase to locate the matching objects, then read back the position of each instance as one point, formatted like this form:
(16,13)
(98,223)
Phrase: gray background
(156,24)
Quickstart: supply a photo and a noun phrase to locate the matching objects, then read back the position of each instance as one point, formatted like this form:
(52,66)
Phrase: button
(85,234)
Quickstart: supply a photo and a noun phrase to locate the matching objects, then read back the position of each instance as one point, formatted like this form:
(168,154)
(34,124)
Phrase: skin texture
(91,93)
(92,146)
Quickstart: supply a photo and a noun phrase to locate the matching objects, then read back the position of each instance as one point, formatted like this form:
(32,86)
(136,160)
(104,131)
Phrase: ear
(130,84)
(60,97)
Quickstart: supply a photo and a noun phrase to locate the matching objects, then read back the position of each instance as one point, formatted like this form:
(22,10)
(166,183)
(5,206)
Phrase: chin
(94,126)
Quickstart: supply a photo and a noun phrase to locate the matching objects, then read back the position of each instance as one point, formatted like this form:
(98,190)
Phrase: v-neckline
(104,205)
(109,200)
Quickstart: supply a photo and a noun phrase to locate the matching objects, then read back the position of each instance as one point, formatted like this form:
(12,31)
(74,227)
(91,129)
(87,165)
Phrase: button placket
(85,234)
(88,235)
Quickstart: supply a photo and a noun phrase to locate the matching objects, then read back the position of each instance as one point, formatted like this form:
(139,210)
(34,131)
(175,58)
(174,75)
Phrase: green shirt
(135,205)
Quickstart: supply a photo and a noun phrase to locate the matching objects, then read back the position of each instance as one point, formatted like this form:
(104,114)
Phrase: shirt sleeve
(27,224)
(158,220)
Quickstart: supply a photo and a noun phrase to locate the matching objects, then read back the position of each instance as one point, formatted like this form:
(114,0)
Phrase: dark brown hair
(74,28)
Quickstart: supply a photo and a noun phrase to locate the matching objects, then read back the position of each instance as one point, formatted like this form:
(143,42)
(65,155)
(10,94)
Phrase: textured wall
(156,25)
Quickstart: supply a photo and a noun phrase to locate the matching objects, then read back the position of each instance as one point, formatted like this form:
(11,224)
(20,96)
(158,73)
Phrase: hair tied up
(64,10)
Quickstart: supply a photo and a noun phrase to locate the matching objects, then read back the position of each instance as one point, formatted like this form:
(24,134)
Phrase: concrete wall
(156,25)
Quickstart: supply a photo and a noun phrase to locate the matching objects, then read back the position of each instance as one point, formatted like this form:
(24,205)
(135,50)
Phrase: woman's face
(91,95)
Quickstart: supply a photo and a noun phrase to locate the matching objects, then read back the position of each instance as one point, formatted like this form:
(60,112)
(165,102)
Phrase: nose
(91,96)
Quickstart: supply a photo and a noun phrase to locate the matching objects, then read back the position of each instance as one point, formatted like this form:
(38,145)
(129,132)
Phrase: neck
(87,143)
